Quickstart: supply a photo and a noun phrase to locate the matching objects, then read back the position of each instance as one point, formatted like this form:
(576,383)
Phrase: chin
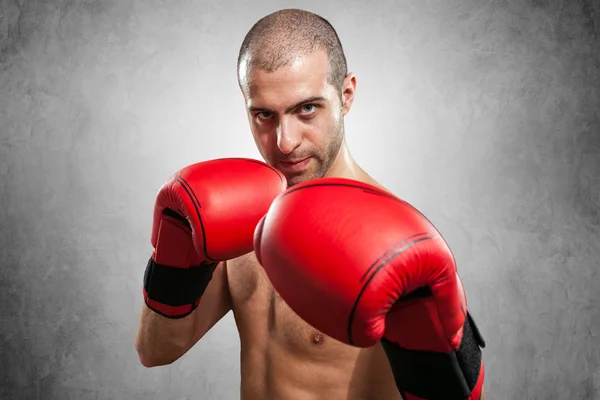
(302,177)
(295,180)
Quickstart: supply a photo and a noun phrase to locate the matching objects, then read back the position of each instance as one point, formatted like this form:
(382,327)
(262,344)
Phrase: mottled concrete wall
(484,115)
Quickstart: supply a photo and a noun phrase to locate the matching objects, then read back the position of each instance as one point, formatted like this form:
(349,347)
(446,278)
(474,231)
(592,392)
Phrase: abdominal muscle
(283,358)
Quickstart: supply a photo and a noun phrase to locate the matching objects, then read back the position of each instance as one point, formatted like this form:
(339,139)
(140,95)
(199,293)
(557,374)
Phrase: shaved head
(280,38)
(297,90)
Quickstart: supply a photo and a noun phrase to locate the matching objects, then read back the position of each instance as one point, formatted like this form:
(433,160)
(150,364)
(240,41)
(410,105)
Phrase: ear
(348,90)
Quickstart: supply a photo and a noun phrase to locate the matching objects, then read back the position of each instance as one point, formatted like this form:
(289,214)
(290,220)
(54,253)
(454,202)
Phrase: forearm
(161,341)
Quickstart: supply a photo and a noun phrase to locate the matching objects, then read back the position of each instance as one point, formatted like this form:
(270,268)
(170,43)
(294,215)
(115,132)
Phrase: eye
(308,108)
(264,115)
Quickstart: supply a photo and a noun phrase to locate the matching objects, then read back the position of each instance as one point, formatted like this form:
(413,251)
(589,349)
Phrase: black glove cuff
(432,375)
(177,290)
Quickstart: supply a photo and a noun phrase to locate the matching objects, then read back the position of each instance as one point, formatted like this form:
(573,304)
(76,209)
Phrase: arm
(204,215)
(161,341)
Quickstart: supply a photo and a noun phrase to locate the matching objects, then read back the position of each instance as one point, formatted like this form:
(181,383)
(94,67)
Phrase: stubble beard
(325,160)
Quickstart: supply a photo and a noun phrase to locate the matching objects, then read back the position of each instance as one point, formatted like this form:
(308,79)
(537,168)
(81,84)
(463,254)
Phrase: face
(297,116)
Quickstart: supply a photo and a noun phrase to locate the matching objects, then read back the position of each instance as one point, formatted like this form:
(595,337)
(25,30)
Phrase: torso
(282,357)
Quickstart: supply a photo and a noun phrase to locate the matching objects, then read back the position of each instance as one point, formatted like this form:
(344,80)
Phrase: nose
(289,137)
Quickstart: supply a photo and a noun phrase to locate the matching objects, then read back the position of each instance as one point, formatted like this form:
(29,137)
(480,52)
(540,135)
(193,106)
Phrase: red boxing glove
(204,214)
(363,266)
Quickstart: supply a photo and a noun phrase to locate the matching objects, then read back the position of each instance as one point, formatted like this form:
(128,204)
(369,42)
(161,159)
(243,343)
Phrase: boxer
(297,90)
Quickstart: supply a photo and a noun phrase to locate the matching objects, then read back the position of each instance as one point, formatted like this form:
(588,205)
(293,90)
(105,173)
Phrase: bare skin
(282,357)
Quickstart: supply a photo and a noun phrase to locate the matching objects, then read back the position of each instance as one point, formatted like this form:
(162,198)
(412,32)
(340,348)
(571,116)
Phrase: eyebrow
(292,108)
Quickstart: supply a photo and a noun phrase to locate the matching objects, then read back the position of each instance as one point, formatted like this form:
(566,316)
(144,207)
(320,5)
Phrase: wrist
(456,374)
(175,292)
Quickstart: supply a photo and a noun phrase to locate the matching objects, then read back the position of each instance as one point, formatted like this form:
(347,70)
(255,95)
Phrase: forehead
(305,76)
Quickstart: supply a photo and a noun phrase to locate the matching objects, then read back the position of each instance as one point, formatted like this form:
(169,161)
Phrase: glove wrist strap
(431,375)
(175,292)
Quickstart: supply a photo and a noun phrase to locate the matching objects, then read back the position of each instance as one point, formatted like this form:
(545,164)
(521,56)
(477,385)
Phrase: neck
(345,166)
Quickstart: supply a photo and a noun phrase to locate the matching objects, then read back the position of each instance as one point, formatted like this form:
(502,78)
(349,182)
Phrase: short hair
(278,38)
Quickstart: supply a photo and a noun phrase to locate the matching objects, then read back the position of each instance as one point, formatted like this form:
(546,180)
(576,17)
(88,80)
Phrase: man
(293,76)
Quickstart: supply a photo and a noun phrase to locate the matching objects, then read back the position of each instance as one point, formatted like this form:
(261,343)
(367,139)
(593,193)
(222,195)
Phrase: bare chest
(261,313)
(283,356)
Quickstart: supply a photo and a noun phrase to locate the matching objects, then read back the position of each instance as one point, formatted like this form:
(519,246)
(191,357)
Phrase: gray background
(483,114)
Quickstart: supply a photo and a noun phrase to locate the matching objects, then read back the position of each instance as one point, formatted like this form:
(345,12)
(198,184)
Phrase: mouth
(294,165)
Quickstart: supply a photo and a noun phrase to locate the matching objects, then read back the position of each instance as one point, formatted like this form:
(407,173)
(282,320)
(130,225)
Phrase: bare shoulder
(244,277)
(368,179)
